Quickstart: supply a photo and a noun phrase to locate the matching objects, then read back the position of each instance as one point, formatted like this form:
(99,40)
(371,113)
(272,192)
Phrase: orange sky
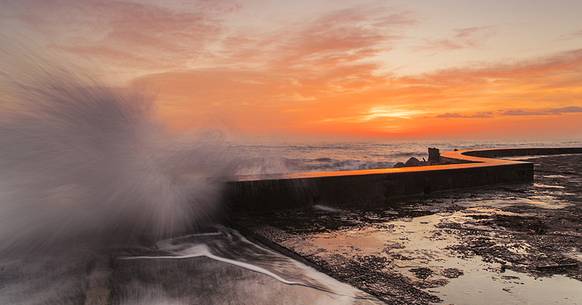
(332,69)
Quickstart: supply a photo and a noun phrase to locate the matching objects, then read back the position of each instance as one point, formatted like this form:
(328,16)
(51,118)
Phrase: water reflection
(420,249)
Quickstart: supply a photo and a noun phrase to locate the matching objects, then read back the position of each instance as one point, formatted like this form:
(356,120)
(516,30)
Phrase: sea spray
(87,170)
(81,161)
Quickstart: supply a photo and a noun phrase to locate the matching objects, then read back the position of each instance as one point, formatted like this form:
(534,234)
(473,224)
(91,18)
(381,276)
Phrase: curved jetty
(471,168)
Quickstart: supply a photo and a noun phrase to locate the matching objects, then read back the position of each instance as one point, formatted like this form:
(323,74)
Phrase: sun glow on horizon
(378,112)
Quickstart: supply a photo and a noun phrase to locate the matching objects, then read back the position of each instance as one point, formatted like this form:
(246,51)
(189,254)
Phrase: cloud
(332,53)
(128,33)
(351,98)
(337,37)
(545,111)
(355,31)
(511,112)
(571,35)
(522,112)
(334,48)
(570,109)
(463,38)
(318,74)
(553,70)
(457,115)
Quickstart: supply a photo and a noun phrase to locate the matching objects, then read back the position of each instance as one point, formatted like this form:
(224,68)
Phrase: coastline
(513,242)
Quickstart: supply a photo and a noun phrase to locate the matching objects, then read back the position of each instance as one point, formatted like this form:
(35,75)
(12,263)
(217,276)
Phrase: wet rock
(557,268)
(434,158)
(399,164)
(433,283)
(452,273)
(510,277)
(434,155)
(422,273)
(413,162)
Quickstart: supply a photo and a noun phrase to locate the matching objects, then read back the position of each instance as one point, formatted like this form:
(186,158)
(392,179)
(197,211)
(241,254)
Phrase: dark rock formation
(434,155)
(434,158)
(413,162)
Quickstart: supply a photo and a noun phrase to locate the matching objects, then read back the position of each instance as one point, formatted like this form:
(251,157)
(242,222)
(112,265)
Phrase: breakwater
(472,168)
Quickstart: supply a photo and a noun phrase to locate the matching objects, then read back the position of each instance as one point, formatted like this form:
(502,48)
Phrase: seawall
(378,186)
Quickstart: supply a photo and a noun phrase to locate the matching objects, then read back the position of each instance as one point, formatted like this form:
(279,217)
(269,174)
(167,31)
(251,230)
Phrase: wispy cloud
(457,115)
(130,33)
(512,112)
(333,48)
(571,35)
(353,99)
(322,74)
(463,38)
(338,37)
(543,111)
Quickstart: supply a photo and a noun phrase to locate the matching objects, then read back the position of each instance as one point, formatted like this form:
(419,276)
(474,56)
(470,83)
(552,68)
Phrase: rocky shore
(512,242)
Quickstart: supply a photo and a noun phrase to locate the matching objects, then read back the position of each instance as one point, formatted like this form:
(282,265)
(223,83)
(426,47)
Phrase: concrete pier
(378,186)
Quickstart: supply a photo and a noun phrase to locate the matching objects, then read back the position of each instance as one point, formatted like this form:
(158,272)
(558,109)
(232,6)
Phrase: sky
(387,70)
